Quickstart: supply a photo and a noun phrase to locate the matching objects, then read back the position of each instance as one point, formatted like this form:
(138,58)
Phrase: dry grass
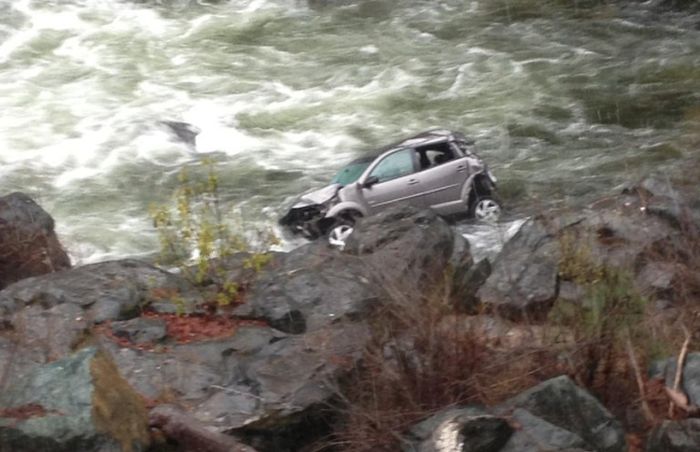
(422,359)
(425,356)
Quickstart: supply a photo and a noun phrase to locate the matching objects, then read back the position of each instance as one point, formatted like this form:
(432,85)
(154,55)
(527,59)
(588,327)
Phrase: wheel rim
(487,210)
(339,235)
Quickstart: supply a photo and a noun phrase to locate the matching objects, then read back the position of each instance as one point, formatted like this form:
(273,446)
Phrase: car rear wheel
(486,208)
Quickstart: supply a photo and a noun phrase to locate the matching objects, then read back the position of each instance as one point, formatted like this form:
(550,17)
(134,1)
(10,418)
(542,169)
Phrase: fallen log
(191,434)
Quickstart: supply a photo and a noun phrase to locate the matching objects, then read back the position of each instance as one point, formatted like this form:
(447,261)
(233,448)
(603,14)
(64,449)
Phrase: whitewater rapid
(564,105)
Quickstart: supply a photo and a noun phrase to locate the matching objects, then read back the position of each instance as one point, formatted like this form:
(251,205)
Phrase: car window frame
(380,159)
(457,154)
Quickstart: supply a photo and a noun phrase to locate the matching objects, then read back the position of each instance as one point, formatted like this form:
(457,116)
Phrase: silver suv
(436,169)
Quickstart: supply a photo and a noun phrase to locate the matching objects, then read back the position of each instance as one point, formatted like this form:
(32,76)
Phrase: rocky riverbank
(400,342)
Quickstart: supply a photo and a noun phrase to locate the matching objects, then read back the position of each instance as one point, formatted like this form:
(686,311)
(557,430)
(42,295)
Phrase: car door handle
(412,181)
(460,168)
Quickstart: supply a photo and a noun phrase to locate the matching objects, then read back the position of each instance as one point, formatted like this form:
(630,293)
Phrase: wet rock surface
(523,281)
(690,377)
(28,242)
(114,290)
(407,248)
(675,436)
(560,414)
(77,403)
(468,429)
(556,415)
(310,288)
(266,376)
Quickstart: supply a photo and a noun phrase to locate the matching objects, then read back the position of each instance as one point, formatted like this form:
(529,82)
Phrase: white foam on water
(81,113)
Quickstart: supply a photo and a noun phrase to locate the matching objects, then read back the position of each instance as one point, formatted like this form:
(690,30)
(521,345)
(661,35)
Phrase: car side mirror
(371,180)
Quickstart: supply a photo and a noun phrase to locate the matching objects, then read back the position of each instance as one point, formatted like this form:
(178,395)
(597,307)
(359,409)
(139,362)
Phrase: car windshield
(351,172)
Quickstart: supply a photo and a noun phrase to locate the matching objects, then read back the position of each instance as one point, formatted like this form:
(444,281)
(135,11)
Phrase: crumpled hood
(320,196)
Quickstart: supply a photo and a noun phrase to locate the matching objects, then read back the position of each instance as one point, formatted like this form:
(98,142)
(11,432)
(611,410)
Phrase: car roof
(423,138)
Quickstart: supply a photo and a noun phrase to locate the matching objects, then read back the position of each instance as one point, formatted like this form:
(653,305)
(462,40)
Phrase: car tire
(485,208)
(340,230)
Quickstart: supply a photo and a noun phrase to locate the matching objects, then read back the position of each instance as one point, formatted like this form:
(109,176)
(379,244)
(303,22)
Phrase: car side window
(398,164)
(435,155)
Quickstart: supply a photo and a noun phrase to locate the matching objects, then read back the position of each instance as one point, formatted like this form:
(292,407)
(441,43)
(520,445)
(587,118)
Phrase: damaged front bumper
(305,220)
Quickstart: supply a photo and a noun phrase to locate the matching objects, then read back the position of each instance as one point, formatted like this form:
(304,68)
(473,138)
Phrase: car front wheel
(340,230)
(486,208)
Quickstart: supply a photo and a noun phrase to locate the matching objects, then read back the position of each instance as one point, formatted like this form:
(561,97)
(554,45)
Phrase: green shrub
(608,324)
(197,237)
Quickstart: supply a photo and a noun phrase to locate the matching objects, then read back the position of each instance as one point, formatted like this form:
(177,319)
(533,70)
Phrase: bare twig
(640,381)
(679,373)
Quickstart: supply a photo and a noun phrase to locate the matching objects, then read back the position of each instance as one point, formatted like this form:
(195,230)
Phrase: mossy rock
(76,403)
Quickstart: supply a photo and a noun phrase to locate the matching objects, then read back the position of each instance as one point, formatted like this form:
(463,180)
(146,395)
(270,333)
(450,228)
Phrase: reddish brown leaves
(24,412)
(184,329)
(194,327)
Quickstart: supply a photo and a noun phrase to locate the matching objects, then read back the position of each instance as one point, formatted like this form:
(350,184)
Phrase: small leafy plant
(198,238)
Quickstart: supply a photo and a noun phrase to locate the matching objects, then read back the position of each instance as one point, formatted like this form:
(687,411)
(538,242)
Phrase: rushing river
(566,98)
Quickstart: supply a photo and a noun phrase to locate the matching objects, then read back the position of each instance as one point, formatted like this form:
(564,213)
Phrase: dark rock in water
(405,248)
(675,436)
(564,407)
(523,281)
(187,133)
(28,242)
(311,287)
(468,429)
(77,403)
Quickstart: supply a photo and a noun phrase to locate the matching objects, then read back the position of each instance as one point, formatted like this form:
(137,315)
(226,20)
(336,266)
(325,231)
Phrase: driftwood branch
(675,394)
(640,381)
(191,434)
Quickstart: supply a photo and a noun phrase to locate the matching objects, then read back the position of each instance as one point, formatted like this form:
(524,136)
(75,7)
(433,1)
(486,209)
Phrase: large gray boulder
(256,383)
(28,242)
(407,249)
(561,416)
(47,316)
(535,433)
(675,436)
(114,290)
(690,380)
(555,415)
(523,281)
(467,429)
(310,288)
(637,231)
(77,403)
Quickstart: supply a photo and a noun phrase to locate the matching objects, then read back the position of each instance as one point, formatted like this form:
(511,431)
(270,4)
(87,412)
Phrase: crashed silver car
(438,169)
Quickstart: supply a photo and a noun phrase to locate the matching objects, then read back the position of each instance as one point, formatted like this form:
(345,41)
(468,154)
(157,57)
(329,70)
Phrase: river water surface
(567,99)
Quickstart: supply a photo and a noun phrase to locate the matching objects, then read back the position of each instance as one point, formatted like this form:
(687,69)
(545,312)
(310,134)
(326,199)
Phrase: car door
(395,183)
(441,183)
